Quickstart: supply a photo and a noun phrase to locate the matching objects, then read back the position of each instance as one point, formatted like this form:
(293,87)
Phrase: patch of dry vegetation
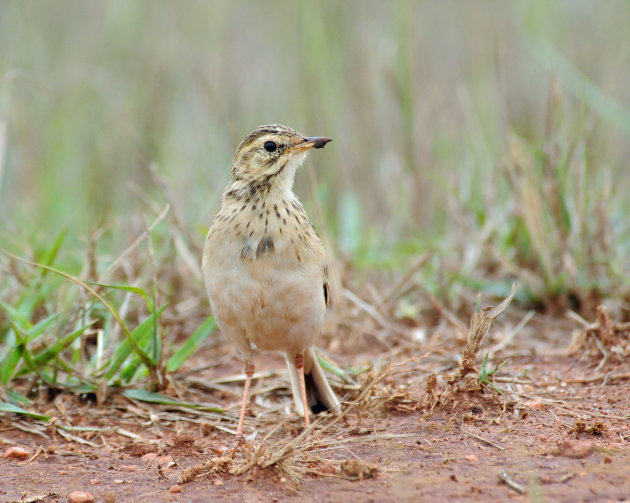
(603,338)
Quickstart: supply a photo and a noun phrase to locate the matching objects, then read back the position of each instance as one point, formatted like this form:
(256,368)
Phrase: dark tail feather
(319,394)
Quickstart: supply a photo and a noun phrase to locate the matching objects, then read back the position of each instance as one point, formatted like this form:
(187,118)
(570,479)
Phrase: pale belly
(267,302)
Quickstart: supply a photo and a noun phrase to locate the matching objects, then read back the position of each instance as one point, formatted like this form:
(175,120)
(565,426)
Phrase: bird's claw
(239,444)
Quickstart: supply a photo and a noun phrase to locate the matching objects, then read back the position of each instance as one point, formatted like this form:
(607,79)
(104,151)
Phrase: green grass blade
(33,298)
(478,306)
(9,407)
(25,353)
(128,372)
(10,363)
(191,344)
(43,357)
(140,333)
(38,329)
(148,341)
(49,255)
(12,354)
(16,397)
(18,336)
(329,366)
(9,342)
(580,85)
(16,315)
(146,359)
(150,397)
(127,288)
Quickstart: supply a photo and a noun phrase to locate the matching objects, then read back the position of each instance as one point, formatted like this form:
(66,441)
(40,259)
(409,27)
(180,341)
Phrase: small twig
(40,450)
(126,433)
(604,351)
(292,444)
(182,237)
(576,317)
(585,380)
(559,404)
(75,438)
(511,483)
(324,474)
(450,317)
(314,435)
(512,334)
(258,452)
(474,435)
(369,388)
(394,292)
(36,498)
(560,420)
(606,331)
(32,428)
(116,263)
(333,444)
(361,304)
(511,380)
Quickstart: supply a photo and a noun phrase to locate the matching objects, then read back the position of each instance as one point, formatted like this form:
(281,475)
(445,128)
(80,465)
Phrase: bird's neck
(242,191)
(277,184)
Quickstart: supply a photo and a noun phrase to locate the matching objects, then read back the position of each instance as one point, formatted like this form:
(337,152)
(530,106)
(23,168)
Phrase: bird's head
(270,155)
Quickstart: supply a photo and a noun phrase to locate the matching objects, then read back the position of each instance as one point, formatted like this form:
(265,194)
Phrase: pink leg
(249,372)
(299,365)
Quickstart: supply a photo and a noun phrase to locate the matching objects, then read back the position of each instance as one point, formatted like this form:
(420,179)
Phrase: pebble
(328,467)
(94,482)
(164,460)
(175,489)
(17,452)
(80,497)
(473,458)
(574,448)
(534,404)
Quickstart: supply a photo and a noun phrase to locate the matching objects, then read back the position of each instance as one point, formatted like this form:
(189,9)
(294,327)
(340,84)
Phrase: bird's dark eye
(270,146)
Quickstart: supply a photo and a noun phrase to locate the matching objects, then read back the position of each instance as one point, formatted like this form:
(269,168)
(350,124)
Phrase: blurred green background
(496,132)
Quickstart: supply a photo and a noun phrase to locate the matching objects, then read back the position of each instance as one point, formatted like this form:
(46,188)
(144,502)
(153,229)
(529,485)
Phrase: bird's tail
(319,394)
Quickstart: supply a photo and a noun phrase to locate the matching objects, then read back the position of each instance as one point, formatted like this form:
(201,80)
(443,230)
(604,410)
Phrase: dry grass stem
(603,337)
(394,293)
(512,334)
(103,278)
(480,438)
(369,309)
(480,324)
(448,315)
(505,477)
(296,457)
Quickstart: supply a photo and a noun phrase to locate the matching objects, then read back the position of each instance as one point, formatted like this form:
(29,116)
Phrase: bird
(265,267)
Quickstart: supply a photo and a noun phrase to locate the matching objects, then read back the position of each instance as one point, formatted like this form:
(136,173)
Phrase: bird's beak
(311,142)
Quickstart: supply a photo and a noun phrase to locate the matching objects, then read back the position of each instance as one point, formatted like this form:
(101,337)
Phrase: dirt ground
(559,432)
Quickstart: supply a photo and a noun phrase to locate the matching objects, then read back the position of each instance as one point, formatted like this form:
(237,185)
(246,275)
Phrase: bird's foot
(239,444)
